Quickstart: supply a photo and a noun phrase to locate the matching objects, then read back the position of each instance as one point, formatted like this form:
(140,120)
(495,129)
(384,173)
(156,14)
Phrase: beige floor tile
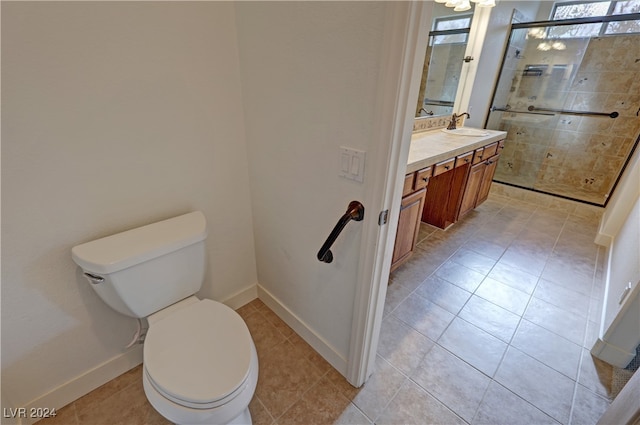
(305,351)
(473,345)
(424,316)
(548,390)
(128,406)
(487,248)
(447,295)
(547,347)
(413,405)
(563,297)
(259,414)
(321,404)
(502,407)
(459,275)
(505,296)
(401,345)
(378,391)
(473,260)
(514,276)
(452,381)
(587,407)
(490,317)
(63,416)
(100,394)
(595,374)
(285,375)
(277,322)
(352,416)
(264,334)
(566,324)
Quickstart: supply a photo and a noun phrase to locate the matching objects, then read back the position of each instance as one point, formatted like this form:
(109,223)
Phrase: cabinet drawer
(500,146)
(407,187)
(477,155)
(490,150)
(422,178)
(464,159)
(443,167)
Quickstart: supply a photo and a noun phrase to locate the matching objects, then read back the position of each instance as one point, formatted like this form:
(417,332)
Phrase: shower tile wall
(575,156)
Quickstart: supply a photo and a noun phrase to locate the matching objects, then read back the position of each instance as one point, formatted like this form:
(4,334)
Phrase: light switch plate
(352,164)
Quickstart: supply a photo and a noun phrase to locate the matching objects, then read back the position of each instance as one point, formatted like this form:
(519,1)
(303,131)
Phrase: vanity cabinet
(442,193)
(442,202)
(411,206)
(480,177)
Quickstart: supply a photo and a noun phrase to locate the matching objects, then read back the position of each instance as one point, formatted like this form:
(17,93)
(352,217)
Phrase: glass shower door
(569,98)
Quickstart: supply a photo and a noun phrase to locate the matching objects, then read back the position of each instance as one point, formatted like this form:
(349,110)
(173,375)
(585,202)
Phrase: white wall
(620,232)
(309,76)
(113,115)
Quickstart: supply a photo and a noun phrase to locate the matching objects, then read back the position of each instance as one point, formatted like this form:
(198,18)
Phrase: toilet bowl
(200,364)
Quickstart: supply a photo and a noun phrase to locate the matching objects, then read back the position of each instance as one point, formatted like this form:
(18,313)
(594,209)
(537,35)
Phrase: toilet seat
(198,356)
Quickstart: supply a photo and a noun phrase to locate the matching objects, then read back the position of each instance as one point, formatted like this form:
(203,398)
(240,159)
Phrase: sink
(465,131)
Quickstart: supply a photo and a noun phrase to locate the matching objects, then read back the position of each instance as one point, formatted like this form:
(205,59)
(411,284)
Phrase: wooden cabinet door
(408,227)
(471,190)
(487,178)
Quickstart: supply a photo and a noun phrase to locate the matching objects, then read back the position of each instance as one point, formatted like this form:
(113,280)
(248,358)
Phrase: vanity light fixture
(463,5)
(486,3)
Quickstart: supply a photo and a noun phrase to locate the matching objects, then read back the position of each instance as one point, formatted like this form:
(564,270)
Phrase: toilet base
(243,418)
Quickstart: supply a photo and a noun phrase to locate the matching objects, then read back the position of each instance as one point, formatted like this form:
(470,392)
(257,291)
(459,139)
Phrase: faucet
(454,117)
(425,111)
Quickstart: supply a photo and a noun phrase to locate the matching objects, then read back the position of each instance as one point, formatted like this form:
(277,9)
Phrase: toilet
(200,364)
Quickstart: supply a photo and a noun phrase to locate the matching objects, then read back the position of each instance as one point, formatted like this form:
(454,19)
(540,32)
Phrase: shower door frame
(565,22)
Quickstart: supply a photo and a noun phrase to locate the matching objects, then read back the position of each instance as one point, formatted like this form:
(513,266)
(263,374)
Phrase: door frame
(406,36)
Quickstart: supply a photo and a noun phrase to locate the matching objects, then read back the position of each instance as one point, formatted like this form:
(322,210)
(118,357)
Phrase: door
(565,96)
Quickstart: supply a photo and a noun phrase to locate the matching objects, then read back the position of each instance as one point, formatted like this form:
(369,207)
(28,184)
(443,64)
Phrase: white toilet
(200,365)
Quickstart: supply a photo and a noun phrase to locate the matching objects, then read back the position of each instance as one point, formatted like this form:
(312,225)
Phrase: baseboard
(329,353)
(616,356)
(242,297)
(603,240)
(85,383)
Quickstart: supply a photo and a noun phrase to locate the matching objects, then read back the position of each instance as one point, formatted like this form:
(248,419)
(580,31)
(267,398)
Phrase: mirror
(443,61)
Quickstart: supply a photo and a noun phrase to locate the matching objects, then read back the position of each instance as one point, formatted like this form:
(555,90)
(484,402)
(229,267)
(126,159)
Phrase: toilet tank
(146,269)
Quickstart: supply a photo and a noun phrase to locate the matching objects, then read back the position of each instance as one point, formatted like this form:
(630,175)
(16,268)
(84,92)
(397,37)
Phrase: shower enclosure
(568,97)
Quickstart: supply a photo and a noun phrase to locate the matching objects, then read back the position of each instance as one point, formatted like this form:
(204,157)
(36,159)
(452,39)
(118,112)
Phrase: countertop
(430,147)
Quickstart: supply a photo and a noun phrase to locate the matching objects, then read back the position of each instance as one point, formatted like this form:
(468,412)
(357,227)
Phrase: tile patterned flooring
(490,322)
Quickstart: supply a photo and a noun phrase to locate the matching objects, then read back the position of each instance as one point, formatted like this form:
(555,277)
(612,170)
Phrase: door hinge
(382,218)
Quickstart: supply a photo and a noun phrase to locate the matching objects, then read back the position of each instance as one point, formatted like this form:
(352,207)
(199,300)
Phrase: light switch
(355,165)
(352,164)
(346,160)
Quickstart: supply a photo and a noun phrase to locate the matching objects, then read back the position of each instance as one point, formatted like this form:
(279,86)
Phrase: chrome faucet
(454,117)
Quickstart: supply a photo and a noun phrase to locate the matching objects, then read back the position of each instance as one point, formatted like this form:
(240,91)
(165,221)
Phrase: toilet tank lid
(122,250)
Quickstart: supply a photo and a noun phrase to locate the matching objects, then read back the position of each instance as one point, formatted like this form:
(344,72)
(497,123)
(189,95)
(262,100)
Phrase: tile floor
(490,322)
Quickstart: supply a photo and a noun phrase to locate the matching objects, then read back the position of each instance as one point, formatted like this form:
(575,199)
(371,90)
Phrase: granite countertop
(430,147)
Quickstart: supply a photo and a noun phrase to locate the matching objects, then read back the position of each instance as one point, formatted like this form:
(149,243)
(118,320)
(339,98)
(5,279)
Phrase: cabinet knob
(446,167)
(425,179)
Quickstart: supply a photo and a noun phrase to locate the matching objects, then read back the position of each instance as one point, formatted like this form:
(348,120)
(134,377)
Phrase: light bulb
(558,45)
(462,6)
(487,3)
(544,46)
